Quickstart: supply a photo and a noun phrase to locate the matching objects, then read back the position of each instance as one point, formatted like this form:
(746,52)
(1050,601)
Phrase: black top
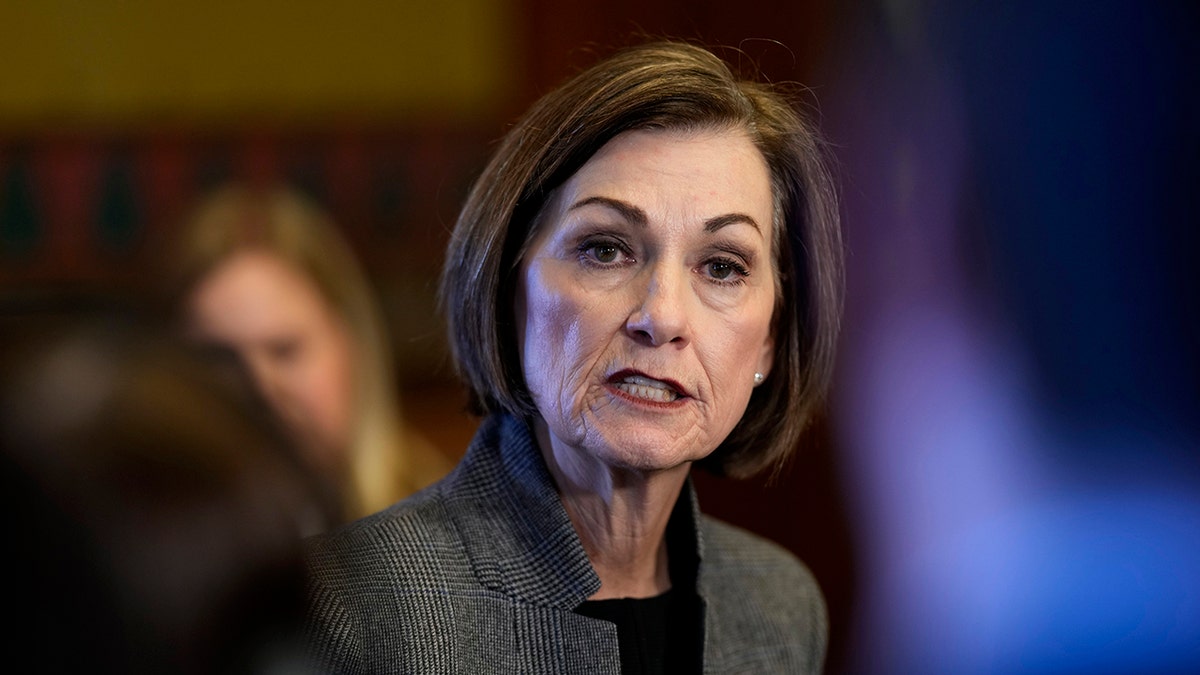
(655,635)
(665,633)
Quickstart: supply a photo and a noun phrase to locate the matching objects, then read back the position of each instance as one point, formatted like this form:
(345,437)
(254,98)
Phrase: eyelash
(588,247)
(738,268)
(587,255)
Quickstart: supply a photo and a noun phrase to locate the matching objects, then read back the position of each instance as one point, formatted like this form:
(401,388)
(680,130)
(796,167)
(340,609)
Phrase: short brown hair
(662,85)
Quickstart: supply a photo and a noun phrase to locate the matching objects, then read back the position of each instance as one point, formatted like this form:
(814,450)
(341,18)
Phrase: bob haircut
(662,85)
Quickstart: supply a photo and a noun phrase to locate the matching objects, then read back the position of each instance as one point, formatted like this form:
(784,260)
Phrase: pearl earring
(758,379)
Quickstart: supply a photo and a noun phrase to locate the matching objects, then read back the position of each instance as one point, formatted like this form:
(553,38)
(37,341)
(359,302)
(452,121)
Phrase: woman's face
(297,348)
(645,300)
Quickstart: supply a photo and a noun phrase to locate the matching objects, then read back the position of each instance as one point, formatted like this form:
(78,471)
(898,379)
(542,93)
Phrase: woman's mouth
(645,388)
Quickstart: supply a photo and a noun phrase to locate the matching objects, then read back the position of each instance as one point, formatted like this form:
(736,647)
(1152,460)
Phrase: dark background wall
(118,115)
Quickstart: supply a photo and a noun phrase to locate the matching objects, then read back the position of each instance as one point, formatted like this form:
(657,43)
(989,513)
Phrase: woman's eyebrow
(628,211)
(717,222)
(637,216)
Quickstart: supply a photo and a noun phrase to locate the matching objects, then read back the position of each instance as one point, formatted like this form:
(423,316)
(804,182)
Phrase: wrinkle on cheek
(574,348)
(553,330)
(563,347)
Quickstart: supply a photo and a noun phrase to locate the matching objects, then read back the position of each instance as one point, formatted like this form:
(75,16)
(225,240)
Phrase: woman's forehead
(711,172)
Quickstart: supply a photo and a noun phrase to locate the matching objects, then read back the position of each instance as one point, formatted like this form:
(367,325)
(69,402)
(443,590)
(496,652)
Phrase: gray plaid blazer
(480,573)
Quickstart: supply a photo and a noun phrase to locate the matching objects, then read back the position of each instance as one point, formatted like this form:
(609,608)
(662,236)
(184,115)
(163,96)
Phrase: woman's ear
(766,359)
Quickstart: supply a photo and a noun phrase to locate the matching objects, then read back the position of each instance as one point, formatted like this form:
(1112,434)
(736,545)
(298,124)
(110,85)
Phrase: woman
(265,274)
(645,277)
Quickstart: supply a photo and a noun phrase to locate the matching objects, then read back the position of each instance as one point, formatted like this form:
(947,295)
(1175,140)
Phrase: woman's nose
(660,316)
(270,382)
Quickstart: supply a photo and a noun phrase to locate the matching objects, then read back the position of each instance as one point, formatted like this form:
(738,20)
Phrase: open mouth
(645,388)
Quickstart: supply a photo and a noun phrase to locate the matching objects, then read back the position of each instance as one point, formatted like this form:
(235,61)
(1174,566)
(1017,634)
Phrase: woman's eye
(603,252)
(720,270)
(726,270)
(284,350)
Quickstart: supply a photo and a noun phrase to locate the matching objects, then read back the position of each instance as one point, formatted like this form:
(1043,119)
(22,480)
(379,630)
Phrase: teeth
(645,381)
(649,389)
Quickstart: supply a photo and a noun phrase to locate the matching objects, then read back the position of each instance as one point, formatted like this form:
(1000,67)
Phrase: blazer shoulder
(365,580)
(740,562)
(413,545)
(767,606)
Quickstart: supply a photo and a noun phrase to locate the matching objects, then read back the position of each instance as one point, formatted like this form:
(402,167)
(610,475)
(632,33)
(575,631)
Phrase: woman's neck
(621,517)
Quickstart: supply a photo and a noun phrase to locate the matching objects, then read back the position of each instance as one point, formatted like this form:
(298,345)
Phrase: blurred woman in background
(266,274)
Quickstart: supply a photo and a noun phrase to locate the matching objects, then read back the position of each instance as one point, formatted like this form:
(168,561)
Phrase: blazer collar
(517,534)
(516,531)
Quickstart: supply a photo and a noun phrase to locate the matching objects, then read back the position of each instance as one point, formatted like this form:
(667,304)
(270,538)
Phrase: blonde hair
(386,461)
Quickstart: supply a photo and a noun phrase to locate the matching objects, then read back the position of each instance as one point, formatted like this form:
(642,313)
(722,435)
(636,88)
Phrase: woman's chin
(623,439)
(644,449)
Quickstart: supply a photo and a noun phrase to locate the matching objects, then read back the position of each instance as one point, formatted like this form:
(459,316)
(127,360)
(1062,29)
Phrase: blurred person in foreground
(155,505)
(1019,408)
(266,274)
(645,277)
